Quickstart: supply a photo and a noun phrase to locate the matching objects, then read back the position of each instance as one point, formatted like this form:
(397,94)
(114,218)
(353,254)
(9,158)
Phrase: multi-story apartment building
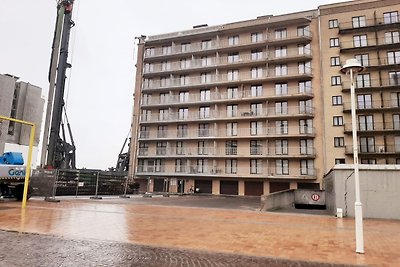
(22,101)
(258,106)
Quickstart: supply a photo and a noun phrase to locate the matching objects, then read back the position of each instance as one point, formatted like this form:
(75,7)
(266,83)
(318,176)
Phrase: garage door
(278,186)
(158,185)
(253,188)
(229,188)
(205,186)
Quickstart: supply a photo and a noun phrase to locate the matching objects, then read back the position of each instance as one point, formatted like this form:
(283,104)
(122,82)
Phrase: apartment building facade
(243,108)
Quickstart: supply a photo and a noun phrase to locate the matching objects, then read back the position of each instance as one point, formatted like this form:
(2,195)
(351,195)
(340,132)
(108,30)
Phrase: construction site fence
(52,183)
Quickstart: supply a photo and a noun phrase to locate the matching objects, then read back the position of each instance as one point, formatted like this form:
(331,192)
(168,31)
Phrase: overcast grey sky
(99,95)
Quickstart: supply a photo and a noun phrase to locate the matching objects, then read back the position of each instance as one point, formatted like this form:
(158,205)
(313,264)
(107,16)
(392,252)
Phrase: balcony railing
(374,149)
(289,53)
(368,43)
(371,83)
(367,105)
(177,134)
(367,23)
(373,127)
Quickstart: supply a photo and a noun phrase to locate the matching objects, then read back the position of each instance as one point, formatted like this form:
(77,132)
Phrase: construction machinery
(12,175)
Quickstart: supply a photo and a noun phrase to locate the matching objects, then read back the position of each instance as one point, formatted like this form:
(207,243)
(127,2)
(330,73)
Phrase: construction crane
(56,151)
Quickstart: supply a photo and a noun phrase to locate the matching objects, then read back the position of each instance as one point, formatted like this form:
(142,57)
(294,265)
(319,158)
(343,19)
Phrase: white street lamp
(353,67)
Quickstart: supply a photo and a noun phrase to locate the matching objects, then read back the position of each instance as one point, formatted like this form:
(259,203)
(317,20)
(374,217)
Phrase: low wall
(277,200)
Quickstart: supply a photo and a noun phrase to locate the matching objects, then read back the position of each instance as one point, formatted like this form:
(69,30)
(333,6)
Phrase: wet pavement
(184,231)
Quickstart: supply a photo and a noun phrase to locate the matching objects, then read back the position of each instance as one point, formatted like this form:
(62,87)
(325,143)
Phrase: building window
(337,120)
(306,147)
(185,63)
(162,131)
(281,147)
(391,17)
(233,57)
(303,31)
(233,75)
(160,165)
(256,72)
(256,54)
(281,127)
(202,166)
(281,70)
(206,61)
(304,67)
(337,100)
(206,44)
(161,148)
(204,130)
(335,61)
(363,59)
(358,22)
(368,161)
(396,121)
(282,166)
(183,113)
(146,99)
(233,40)
(367,144)
(185,47)
(305,87)
(281,34)
(393,57)
(150,51)
(231,110)
(333,23)
(255,166)
(231,129)
(146,115)
(163,114)
(204,112)
(363,80)
(340,161)
(360,40)
(392,37)
(183,97)
(307,167)
(205,77)
(202,148)
(305,106)
(334,42)
(281,89)
(338,141)
(366,123)
(232,92)
(180,148)
(281,107)
(166,50)
(255,147)
(364,101)
(280,51)
(148,67)
(164,81)
(231,166)
(180,165)
(306,126)
(231,147)
(205,95)
(144,132)
(256,90)
(395,99)
(256,37)
(256,128)
(143,149)
(336,80)
(184,79)
(304,49)
(165,65)
(148,83)
(394,77)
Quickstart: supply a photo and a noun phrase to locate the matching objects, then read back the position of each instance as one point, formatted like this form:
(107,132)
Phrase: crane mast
(60,154)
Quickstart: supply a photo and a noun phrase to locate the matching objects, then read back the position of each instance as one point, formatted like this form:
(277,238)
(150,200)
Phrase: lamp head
(352,64)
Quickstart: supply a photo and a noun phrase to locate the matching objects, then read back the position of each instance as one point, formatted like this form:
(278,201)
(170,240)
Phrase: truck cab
(12,175)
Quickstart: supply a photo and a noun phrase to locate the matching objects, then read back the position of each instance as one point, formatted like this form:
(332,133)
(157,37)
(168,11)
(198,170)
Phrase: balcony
(291,152)
(368,25)
(174,134)
(368,44)
(375,150)
(292,173)
(381,63)
(371,84)
(285,132)
(180,49)
(289,55)
(369,106)
(373,127)
(290,111)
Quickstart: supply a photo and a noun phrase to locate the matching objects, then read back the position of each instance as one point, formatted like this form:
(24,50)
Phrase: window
(306,126)
(166,49)
(144,131)
(358,22)
(395,99)
(183,97)
(148,67)
(256,90)
(392,37)
(281,89)
(202,148)
(390,17)
(306,147)
(366,123)
(204,129)
(183,113)
(396,121)
(280,34)
(146,99)
(162,114)
(204,112)
(305,106)
(363,80)
(364,101)
(231,166)
(165,65)
(202,166)
(337,100)
(231,147)
(232,92)
(281,107)
(338,141)
(206,61)
(160,165)
(368,161)
(231,110)
(336,80)
(304,67)
(205,77)
(256,72)
(233,57)
(281,69)
(255,147)
(180,148)
(280,51)
(256,128)
(256,108)
(256,37)
(146,115)
(150,51)
(303,31)
(304,49)
(185,47)
(282,166)
(393,57)
(184,79)
(337,120)
(205,95)
(231,129)
(180,165)
(161,148)
(206,44)
(281,147)
(164,81)
(185,63)
(335,61)
(367,144)
(233,40)
(394,77)
(307,167)
(340,161)
(163,98)
(255,166)
(281,127)
(333,23)
(143,149)
(233,75)
(360,40)
(334,42)
(162,131)
(305,87)
(256,54)
(148,83)
(363,59)
(397,144)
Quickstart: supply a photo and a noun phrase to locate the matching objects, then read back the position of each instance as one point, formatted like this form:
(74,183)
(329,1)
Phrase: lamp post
(353,67)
